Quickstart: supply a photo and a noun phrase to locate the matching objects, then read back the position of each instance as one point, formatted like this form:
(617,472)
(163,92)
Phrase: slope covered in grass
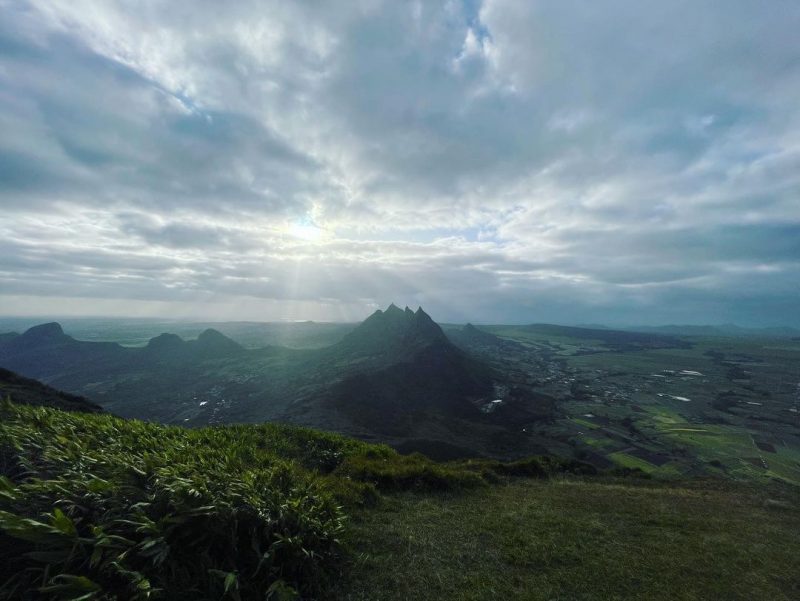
(95,505)
(581,539)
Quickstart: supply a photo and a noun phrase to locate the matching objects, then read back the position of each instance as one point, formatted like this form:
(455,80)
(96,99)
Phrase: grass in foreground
(97,507)
(580,539)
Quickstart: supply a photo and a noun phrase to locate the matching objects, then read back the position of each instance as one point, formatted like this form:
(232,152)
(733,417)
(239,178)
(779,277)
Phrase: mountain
(396,373)
(470,337)
(393,333)
(27,391)
(46,335)
(396,377)
(214,342)
(209,344)
(46,352)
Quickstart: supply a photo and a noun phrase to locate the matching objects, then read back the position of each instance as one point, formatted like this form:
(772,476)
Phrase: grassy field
(96,507)
(714,406)
(579,539)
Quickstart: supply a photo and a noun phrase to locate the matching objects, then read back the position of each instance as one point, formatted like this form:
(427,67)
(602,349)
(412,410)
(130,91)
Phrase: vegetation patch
(629,461)
(97,507)
(587,539)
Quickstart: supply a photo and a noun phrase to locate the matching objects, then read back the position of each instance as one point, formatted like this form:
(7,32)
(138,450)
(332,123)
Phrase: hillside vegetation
(96,507)
(584,539)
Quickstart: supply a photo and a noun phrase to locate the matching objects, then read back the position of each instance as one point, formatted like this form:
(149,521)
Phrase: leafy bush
(407,472)
(95,507)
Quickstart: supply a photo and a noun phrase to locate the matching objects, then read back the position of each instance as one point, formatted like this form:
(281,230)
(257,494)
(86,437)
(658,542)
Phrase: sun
(306,231)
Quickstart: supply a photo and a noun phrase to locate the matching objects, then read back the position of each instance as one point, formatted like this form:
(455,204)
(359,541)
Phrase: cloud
(497,160)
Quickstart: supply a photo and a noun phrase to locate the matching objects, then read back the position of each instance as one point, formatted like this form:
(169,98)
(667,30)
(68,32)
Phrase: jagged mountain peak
(212,338)
(394,328)
(393,310)
(420,314)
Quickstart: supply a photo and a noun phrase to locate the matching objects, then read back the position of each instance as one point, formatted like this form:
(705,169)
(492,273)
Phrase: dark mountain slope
(394,377)
(26,391)
(415,373)
(7,337)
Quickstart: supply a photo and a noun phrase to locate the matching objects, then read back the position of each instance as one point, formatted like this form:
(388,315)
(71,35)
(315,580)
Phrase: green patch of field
(731,445)
(572,539)
(785,464)
(624,460)
(584,423)
(600,443)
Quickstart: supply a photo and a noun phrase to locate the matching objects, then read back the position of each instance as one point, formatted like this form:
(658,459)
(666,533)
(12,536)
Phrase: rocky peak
(394,328)
(165,341)
(44,333)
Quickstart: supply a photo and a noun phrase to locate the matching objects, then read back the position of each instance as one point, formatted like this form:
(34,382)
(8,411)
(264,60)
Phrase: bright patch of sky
(490,160)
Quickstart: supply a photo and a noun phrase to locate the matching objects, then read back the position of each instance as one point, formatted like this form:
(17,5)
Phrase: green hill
(97,507)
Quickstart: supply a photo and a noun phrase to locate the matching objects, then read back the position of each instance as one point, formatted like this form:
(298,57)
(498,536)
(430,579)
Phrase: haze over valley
(703,403)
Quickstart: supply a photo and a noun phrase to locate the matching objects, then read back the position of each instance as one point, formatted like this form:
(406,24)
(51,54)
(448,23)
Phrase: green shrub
(539,466)
(407,472)
(95,507)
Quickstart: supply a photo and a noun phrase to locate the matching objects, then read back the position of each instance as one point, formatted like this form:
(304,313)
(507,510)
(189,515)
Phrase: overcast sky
(498,161)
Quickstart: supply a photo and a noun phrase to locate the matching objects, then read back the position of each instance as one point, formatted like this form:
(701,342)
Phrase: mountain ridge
(395,376)
(27,391)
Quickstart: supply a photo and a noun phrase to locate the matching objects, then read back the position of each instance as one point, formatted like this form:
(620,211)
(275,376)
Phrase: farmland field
(669,406)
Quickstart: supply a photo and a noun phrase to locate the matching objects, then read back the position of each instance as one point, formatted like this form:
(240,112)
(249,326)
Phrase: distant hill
(470,337)
(620,340)
(46,352)
(172,348)
(724,330)
(136,332)
(27,391)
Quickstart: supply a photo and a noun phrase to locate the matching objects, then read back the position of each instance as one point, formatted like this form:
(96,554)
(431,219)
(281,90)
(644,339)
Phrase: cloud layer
(493,161)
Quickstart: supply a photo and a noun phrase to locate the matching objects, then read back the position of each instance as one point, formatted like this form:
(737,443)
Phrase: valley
(704,405)
(668,405)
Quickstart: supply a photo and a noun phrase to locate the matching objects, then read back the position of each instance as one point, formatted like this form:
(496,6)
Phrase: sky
(496,161)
